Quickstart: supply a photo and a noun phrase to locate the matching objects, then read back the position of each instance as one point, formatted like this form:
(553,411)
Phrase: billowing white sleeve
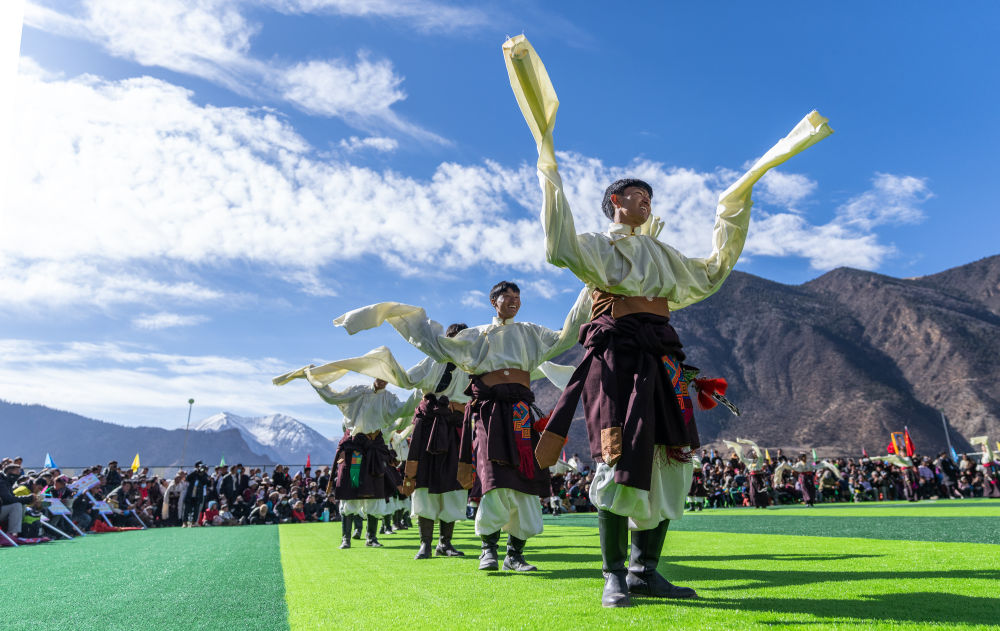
(465,350)
(560,341)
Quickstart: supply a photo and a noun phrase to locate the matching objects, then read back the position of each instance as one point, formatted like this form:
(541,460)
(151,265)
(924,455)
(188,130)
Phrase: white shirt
(476,350)
(366,411)
(626,261)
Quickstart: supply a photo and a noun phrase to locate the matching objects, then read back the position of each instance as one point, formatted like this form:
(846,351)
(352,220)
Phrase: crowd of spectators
(195,498)
(247,496)
(726,481)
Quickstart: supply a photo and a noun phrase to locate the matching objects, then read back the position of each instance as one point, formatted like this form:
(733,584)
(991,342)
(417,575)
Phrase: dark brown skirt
(435,445)
(501,463)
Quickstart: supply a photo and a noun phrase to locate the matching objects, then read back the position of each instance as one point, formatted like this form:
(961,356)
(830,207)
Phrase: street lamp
(184,450)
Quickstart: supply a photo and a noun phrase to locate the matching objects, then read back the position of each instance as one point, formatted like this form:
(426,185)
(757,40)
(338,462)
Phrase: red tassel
(540,424)
(706,388)
(527,457)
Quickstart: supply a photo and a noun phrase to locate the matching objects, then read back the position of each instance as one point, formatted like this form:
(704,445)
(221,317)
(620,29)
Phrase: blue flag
(49,463)
(954,456)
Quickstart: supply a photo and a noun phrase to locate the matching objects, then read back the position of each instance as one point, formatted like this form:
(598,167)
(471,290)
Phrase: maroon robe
(435,445)
(624,384)
(489,430)
(375,459)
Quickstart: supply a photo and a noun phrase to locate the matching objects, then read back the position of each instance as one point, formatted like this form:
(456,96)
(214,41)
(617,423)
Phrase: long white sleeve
(637,265)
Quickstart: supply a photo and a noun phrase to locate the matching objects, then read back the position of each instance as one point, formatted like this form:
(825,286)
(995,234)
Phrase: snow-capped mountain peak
(278,436)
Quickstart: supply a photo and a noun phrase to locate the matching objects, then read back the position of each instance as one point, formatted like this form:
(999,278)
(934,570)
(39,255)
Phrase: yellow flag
(767,455)
(135,464)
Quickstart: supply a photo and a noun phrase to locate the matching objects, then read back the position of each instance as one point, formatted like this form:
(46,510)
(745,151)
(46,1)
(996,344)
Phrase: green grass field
(888,565)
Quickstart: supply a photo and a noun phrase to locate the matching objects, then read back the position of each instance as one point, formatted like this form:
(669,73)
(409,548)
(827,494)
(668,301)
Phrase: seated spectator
(12,506)
(210,516)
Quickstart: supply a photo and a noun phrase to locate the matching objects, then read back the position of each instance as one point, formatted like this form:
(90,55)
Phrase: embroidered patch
(522,420)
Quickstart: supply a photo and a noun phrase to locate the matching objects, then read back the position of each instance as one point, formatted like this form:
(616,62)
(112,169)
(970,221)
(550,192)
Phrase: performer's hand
(408,486)
(549,447)
(466,475)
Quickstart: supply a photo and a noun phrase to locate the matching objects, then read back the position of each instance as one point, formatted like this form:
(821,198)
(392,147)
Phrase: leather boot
(358,522)
(515,556)
(345,531)
(386,528)
(642,575)
(614,552)
(488,558)
(444,547)
(372,541)
(426,537)
(397,520)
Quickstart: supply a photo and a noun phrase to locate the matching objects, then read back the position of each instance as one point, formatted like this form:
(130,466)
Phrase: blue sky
(197,188)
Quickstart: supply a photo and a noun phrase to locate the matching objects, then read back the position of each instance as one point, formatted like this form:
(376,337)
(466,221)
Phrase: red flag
(308,462)
(864,452)
(908,443)
(891,448)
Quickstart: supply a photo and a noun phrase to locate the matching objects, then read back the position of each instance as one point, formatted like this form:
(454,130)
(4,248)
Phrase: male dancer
(362,455)
(500,357)
(631,378)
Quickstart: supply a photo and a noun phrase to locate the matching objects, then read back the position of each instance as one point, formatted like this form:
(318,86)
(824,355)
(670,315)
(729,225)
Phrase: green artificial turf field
(869,566)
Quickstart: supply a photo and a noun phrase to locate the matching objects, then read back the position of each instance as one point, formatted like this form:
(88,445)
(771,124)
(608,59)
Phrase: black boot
(386,528)
(397,520)
(488,559)
(406,519)
(614,552)
(515,556)
(345,531)
(426,537)
(372,540)
(358,522)
(642,575)
(444,547)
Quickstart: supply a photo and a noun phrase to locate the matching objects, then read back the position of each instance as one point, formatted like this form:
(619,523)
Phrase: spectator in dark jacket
(12,506)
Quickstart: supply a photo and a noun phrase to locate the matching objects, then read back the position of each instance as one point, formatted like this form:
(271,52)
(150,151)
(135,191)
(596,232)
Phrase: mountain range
(834,364)
(841,361)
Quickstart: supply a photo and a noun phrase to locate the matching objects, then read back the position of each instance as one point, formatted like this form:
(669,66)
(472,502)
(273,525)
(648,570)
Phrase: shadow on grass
(927,607)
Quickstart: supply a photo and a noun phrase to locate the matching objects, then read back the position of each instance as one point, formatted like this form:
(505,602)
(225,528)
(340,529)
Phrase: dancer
(807,476)
(631,377)
(362,457)
(757,481)
(698,492)
(499,416)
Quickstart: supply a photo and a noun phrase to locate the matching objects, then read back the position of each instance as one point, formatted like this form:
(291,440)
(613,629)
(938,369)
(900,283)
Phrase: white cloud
(475,298)
(425,15)
(134,386)
(784,189)
(211,39)
(377,143)
(136,176)
(164,320)
(892,199)
(31,283)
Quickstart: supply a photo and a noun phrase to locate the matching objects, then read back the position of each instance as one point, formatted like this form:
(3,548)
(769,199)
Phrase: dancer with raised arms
(500,420)
(363,459)
(631,379)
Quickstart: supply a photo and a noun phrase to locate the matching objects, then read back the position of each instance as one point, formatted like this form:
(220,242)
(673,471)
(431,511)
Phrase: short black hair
(616,188)
(455,329)
(501,287)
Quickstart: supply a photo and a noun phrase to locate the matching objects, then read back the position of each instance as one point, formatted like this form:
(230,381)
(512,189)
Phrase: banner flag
(49,462)
(767,455)
(954,456)
(908,443)
(135,464)
(815,459)
(308,461)
(222,461)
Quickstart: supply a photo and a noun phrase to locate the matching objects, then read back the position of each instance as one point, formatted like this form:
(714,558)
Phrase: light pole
(186,427)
